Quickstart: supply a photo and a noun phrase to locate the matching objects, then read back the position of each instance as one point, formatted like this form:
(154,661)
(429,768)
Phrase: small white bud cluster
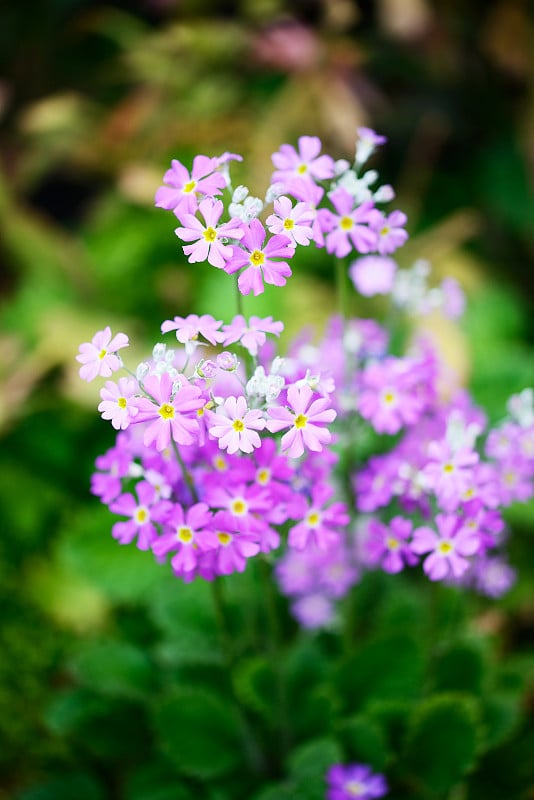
(244,206)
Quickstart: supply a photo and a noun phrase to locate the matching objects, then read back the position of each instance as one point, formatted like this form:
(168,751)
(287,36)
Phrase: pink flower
(233,550)
(373,275)
(258,259)
(189,328)
(98,356)
(293,222)
(389,230)
(189,534)
(449,473)
(208,238)
(169,411)
(118,402)
(181,190)
(448,548)
(302,163)
(251,335)
(346,229)
(305,420)
(143,512)
(367,143)
(319,522)
(387,545)
(235,426)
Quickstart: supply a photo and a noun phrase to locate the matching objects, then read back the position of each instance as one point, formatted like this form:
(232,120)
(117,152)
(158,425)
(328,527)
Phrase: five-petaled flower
(305,419)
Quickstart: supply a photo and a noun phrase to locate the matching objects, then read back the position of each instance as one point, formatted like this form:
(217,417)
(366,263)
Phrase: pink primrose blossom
(348,229)
(236,426)
(448,548)
(169,412)
(448,472)
(191,327)
(313,611)
(257,258)
(354,782)
(233,549)
(372,275)
(304,162)
(304,419)
(180,193)
(113,466)
(208,239)
(387,398)
(246,504)
(293,222)
(387,545)
(98,356)
(515,480)
(119,402)
(308,192)
(319,522)
(251,335)
(143,512)
(188,533)
(389,230)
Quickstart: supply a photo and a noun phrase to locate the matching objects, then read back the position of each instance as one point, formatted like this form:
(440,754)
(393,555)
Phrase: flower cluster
(354,782)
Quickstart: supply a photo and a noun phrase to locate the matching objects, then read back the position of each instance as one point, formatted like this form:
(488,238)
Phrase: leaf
(255,686)
(460,667)
(155,781)
(443,740)
(199,733)
(114,668)
(308,766)
(501,716)
(364,741)
(78,785)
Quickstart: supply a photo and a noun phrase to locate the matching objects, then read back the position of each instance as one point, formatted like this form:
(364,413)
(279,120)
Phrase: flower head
(98,356)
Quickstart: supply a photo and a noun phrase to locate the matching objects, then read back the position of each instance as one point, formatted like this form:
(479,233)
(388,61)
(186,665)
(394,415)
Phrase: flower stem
(239,299)
(185,472)
(341,289)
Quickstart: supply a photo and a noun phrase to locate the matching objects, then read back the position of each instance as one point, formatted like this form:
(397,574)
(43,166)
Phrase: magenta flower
(191,327)
(233,549)
(208,239)
(302,163)
(251,335)
(188,533)
(293,222)
(143,512)
(389,397)
(389,229)
(118,402)
(448,548)
(181,191)
(449,473)
(98,356)
(258,259)
(372,275)
(347,229)
(313,611)
(319,522)
(169,412)
(387,545)
(305,419)
(354,782)
(236,426)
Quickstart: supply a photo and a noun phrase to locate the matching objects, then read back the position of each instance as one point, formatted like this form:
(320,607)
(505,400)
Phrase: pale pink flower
(304,420)
(169,412)
(302,163)
(348,229)
(119,402)
(372,275)
(448,549)
(257,257)
(389,229)
(251,335)
(208,239)
(236,426)
(98,356)
(180,194)
(191,327)
(293,222)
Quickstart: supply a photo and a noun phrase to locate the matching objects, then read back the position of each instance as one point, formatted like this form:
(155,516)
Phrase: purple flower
(258,259)
(319,522)
(387,545)
(98,356)
(182,187)
(373,275)
(293,222)
(189,534)
(208,238)
(389,230)
(233,549)
(367,142)
(143,512)
(169,412)
(305,419)
(448,548)
(347,229)
(313,611)
(354,782)
(449,473)
(189,328)
(119,403)
(304,163)
(251,335)
(236,426)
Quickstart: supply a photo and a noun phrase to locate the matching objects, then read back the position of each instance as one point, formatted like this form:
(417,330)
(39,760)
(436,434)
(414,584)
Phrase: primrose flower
(257,258)
(191,327)
(98,356)
(354,782)
(389,229)
(143,512)
(373,275)
(304,163)
(388,544)
(168,411)
(208,239)
(236,426)
(448,548)
(251,335)
(305,419)
(188,533)
(118,402)
(367,143)
(293,222)
(348,229)
(180,193)
(319,522)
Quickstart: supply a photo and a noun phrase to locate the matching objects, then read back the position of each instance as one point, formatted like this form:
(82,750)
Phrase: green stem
(341,289)
(185,472)
(239,299)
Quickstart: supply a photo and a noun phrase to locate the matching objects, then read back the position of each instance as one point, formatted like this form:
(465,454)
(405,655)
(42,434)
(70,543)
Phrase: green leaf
(308,766)
(199,733)
(114,668)
(78,785)
(443,741)
(255,686)
(501,716)
(364,741)
(460,667)
(155,781)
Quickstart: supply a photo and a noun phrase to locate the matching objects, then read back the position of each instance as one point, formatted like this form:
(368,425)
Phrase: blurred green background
(95,99)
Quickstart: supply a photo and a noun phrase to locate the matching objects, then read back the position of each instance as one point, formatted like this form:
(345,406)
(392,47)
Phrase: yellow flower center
(355,788)
(289,224)
(300,421)
(102,354)
(448,468)
(445,548)
(389,397)
(141,515)
(469,494)
(166,411)
(238,507)
(346,223)
(313,519)
(302,169)
(510,478)
(264,476)
(238,425)
(210,234)
(224,538)
(392,543)
(219,463)
(189,187)
(384,231)
(121,402)
(184,534)
(257,258)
